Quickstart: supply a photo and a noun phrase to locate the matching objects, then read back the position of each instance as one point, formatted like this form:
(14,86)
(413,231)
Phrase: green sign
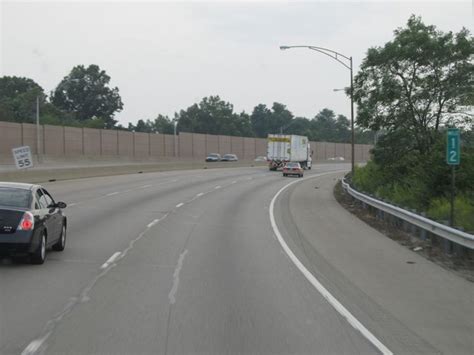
(453,153)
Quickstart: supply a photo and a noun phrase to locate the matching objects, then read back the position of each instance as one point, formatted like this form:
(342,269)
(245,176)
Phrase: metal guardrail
(454,235)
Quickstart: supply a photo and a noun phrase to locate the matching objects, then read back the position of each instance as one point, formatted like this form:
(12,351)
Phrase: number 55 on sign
(453,156)
(22,157)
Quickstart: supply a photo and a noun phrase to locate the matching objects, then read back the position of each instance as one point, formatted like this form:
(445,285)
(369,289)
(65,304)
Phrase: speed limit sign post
(453,158)
(22,157)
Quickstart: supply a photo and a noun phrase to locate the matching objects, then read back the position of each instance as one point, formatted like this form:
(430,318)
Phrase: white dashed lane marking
(151,224)
(111,260)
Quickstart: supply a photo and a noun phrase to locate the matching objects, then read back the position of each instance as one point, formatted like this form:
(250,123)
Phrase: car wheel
(61,244)
(39,255)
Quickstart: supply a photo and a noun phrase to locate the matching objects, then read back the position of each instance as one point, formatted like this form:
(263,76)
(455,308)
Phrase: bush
(367,178)
(440,209)
(408,194)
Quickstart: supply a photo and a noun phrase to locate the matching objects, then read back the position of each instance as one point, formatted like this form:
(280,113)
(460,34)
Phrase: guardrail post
(447,244)
(459,250)
(412,226)
(422,230)
(405,224)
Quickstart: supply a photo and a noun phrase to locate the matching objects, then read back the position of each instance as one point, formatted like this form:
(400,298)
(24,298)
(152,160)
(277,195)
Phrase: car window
(40,201)
(49,200)
(15,197)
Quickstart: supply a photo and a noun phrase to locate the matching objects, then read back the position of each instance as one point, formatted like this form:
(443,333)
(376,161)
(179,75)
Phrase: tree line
(84,98)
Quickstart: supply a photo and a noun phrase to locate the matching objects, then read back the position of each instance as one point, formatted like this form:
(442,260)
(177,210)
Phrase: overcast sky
(166,56)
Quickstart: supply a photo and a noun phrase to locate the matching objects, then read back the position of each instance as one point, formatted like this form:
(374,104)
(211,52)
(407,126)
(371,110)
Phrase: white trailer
(283,148)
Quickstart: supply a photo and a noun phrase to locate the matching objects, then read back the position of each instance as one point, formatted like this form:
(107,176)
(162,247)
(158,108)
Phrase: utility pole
(352,122)
(38,143)
(174,138)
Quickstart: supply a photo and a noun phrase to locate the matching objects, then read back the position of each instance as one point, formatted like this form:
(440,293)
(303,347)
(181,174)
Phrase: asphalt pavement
(182,262)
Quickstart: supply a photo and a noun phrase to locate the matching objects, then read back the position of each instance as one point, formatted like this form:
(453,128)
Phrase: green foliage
(416,82)
(325,126)
(18,99)
(214,116)
(413,88)
(368,178)
(419,181)
(86,94)
(161,124)
(440,209)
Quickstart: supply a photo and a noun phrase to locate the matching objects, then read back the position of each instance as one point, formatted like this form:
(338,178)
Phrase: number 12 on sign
(453,154)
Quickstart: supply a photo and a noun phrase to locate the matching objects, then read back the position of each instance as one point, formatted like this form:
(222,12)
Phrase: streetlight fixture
(347,63)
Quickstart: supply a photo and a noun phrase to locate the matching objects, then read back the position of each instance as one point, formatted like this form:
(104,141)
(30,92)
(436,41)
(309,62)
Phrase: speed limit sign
(22,156)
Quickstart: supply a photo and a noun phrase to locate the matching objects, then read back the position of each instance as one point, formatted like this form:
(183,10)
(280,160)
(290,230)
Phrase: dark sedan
(30,221)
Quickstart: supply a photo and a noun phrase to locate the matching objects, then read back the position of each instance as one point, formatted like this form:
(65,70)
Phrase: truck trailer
(282,148)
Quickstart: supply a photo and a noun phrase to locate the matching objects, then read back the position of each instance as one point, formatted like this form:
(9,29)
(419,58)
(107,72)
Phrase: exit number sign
(453,154)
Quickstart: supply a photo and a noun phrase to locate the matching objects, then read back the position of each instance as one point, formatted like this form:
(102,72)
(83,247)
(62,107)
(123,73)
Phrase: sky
(166,56)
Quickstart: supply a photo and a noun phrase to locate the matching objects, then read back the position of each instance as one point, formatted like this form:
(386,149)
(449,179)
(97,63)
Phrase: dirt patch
(461,263)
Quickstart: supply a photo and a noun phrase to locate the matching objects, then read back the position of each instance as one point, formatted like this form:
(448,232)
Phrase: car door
(55,216)
(44,215)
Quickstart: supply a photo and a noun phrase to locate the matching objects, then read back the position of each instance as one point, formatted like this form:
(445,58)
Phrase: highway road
(194,261)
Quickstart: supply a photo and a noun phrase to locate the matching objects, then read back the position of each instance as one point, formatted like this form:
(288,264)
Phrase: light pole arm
(329,52)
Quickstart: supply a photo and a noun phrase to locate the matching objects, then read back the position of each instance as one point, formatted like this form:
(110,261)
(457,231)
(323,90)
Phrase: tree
(213,116)
(416,82)
(18,99)
(265,121)
(413,88)
(163,124)
(260,119)
(85,92)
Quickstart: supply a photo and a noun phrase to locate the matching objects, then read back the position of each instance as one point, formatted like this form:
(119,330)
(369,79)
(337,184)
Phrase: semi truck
(282,149)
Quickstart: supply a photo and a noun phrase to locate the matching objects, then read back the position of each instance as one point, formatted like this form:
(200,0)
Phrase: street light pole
(38,145)
(352,122)
(174,138)
(339,58)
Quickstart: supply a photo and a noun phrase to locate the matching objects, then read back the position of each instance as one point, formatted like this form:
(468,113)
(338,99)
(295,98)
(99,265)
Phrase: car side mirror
(61,205)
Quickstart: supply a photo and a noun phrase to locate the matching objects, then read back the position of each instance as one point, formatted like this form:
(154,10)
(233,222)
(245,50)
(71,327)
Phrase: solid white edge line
(217,187)
(354,322)
(200,194)
(111,260)
(112,193)
(179,205)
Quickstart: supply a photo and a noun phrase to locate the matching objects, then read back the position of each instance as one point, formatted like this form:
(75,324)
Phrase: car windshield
(14,197)
(228,156)
(213,155)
